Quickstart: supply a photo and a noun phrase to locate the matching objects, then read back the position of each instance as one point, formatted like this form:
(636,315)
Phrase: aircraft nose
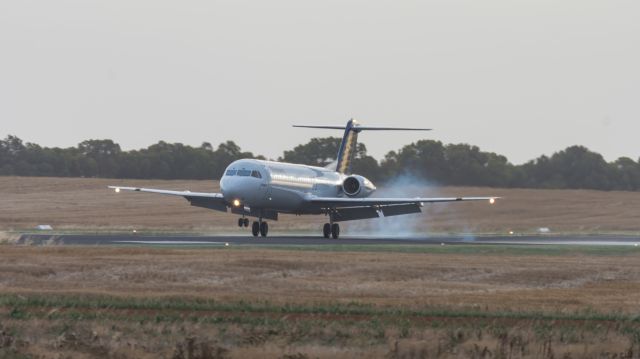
(231,190)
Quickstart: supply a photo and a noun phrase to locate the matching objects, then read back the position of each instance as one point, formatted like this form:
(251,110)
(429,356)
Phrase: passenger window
(244,173)
(256,174)
(231,172)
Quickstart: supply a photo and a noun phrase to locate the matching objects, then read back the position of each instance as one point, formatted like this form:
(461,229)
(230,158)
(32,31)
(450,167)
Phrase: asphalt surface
(177,240)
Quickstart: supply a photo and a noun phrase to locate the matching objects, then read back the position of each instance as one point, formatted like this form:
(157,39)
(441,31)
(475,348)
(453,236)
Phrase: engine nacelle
(357,186)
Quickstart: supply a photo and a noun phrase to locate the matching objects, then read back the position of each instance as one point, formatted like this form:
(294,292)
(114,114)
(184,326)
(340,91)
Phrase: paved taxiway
(177,240)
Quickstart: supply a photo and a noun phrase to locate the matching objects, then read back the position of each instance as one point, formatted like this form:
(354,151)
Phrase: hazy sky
(521,78)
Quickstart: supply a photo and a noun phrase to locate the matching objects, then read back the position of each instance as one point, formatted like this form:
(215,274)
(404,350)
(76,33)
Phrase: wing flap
(350,214)
(209,203)
(207,200)
(400,209)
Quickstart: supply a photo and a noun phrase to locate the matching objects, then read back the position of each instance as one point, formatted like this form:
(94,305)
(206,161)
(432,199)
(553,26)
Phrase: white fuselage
(279,186)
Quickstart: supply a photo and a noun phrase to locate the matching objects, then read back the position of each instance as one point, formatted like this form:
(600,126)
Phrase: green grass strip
(19,302)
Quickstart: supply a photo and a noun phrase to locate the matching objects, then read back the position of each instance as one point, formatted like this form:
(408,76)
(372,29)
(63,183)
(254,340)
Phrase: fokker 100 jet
(264,189)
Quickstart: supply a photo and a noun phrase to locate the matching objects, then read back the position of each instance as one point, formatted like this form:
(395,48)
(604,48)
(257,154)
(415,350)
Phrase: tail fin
(350,140)
(347,147)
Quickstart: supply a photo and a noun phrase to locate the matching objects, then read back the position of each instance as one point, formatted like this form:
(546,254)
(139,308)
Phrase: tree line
(575,167)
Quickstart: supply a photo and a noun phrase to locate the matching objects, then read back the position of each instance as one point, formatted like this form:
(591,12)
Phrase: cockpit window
(231,172)
(244,173)
(256,174)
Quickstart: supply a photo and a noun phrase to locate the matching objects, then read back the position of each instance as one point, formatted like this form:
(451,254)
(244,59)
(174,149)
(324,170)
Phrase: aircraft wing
(214,201)
(347,209)
(365,202)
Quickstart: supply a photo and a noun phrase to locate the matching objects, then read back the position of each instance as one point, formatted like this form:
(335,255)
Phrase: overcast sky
(520,78)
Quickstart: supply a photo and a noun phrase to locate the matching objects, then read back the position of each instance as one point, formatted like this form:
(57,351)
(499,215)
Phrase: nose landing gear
(243,222)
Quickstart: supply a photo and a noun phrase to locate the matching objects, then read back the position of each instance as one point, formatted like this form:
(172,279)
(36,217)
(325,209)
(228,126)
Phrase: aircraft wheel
(246,222)
(255,229)
(335,231)
(240,222)
(326,230)
(264,229)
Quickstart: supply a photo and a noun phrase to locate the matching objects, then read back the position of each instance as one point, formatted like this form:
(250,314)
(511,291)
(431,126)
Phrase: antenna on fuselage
(350,140)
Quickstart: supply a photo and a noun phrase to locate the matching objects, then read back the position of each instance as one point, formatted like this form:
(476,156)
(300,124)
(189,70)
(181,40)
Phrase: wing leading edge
(348,209)
(343,209)
(361,202)
(208,200)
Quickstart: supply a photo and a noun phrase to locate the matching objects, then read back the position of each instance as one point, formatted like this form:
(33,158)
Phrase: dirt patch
(8,238)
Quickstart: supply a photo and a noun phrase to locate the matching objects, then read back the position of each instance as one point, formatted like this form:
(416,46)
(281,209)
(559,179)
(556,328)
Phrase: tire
(240,222)
(255,229)
(326,230)
(335,231)
(246,222)
(264,229)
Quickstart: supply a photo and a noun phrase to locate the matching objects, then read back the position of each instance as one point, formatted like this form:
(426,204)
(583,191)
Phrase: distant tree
(459,164)
(324,151)
(317,152)
(574,167)
(103,157)
(452,164)
(626,174)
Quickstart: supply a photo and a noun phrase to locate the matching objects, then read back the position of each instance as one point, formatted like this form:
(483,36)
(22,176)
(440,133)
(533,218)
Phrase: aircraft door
(264,191)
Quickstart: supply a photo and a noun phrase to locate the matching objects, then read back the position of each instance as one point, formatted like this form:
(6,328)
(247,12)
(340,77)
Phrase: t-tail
(350,140)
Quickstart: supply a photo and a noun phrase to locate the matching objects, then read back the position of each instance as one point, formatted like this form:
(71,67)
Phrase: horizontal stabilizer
(322,127)
(365,128)
(373,128)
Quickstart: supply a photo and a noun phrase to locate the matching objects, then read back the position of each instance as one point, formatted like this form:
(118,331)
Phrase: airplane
(265,189)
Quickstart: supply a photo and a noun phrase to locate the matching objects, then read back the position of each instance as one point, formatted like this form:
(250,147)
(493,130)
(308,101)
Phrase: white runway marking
(170,242)
(567,243)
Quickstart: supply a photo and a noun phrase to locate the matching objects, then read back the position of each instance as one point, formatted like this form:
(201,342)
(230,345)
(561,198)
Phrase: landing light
(236,203)
(492,201)
(117,190)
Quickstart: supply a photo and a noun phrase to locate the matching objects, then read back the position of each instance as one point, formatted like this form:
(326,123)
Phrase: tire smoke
(410,225)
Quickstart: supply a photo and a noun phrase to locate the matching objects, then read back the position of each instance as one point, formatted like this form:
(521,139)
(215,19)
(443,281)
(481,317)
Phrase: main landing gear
(331,230)
(258,227)
(261,228)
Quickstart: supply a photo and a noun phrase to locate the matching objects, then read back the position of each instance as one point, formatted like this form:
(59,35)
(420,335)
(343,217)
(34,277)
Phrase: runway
(296,240)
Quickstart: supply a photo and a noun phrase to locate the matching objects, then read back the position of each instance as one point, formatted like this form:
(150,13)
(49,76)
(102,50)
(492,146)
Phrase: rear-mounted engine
(357,186)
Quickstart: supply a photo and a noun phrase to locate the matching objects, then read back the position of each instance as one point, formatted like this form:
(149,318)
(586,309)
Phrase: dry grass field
(451,302)
(86,204)
(318,302)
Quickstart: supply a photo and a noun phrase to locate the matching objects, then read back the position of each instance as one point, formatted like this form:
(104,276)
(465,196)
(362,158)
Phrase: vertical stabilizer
(347,147)
(350,140)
